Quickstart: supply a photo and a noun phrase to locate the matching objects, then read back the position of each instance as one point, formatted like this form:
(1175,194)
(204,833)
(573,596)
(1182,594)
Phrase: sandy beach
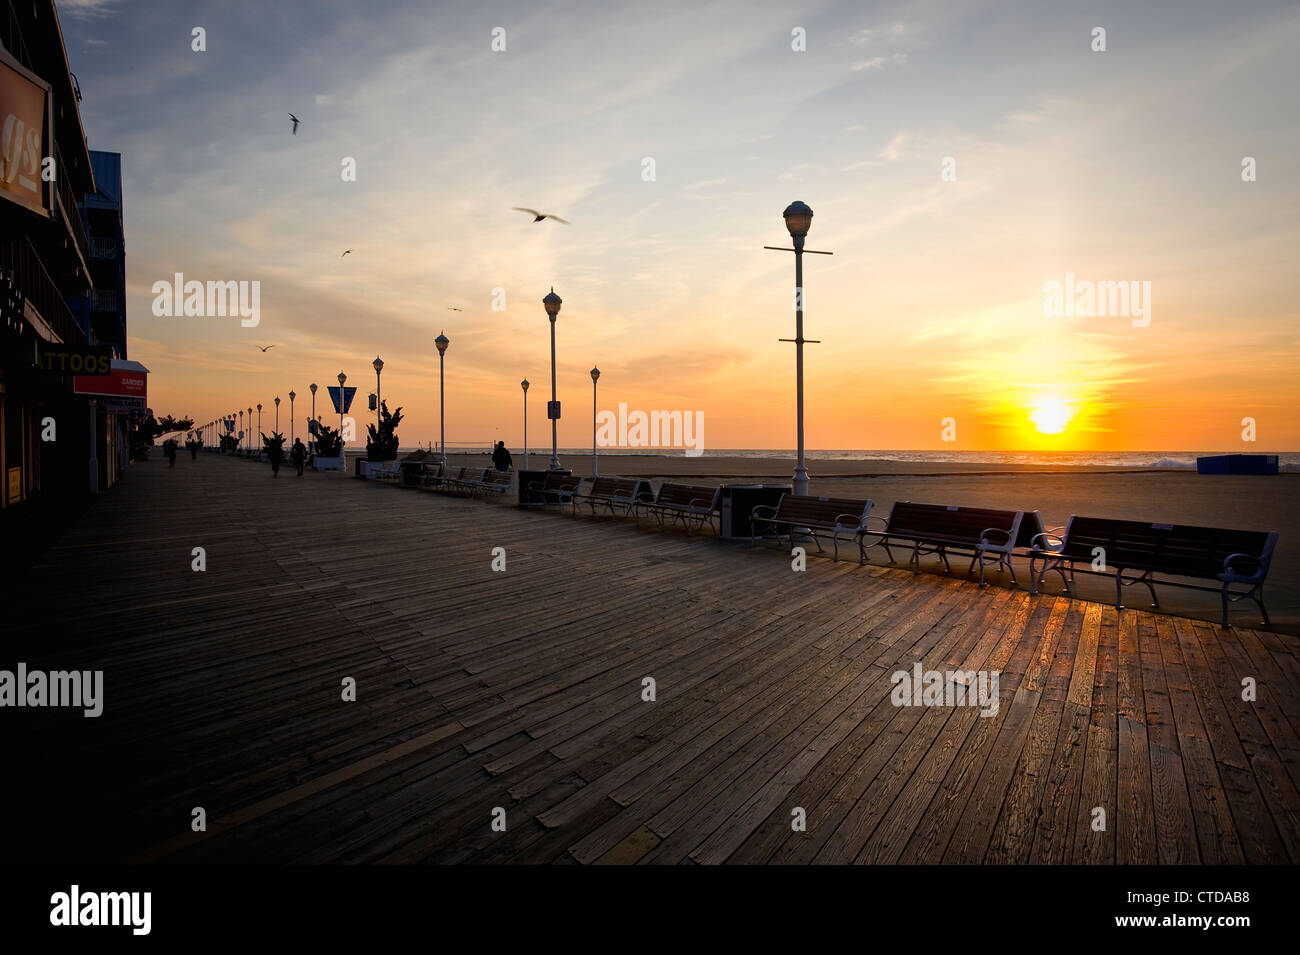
(1158,495)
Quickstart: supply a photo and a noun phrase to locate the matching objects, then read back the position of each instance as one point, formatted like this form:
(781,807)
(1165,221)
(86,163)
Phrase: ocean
(1138,460)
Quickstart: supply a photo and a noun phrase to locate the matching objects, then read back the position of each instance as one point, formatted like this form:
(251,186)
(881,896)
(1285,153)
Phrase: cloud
(85,9)
(892,34)
(879,62)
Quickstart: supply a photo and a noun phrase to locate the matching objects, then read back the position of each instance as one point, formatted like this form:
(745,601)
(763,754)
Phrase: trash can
(739,501)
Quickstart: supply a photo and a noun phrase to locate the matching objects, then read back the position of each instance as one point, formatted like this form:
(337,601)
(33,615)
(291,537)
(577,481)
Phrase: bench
(495,482)
(470,480)
(989,536)
(611,493)
(430,477)
(557,487)
(1206,553)
(797,512)
(693,505)
(447,479)
(392,473)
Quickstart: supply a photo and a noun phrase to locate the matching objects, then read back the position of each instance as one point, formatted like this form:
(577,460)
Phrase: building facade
(62,300)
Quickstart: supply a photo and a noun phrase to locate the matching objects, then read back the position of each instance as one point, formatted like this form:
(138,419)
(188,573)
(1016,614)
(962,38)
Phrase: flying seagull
(539,216)
(266,347)
(453,308)
(295,123)
(345,252)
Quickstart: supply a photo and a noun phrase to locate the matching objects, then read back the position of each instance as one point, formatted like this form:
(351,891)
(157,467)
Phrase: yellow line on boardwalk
(297,793)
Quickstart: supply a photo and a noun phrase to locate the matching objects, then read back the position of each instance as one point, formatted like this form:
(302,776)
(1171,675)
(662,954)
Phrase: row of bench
(467,482)
(1130,551)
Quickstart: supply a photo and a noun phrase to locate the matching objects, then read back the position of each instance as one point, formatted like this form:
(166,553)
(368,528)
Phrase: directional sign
(553,410)
(343,401)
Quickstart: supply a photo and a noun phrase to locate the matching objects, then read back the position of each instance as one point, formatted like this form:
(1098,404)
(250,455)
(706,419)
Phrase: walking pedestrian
(299,455)
(501,457)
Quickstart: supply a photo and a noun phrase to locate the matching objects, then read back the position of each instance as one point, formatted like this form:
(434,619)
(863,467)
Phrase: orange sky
(1116,166)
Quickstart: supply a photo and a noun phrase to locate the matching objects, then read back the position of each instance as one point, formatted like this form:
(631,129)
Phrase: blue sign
(230,424)
(343,401)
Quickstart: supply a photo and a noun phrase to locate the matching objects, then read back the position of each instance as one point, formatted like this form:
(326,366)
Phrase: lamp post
(378,366)
(595,373)
(259,428)
(524,385)
(342,457)
(311,437)
(277,415)
(552,303)
(250,428)
(442,341)
(798,219)
(241,422)
(291,432)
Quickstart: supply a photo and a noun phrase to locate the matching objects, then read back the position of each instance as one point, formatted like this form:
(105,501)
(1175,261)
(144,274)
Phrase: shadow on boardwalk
(478,690)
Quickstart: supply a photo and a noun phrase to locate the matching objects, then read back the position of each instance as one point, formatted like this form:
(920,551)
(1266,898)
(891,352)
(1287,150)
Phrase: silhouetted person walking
(299,455)
(169,449)
(501,457)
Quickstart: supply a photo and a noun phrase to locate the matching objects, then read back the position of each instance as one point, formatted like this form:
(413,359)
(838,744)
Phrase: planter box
(328,464)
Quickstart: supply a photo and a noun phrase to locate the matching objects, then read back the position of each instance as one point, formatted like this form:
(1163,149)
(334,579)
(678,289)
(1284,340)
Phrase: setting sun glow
(1051,415)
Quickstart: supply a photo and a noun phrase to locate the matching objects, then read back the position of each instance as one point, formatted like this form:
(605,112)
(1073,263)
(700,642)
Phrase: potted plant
(381,443)
(274,447)
(329,450)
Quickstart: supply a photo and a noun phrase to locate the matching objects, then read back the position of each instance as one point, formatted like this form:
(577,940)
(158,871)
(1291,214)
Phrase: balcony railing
(103,248)
(18,256)
(103,300)
(68,200)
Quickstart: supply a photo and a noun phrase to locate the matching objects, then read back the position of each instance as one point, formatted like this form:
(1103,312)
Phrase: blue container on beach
(1237,464)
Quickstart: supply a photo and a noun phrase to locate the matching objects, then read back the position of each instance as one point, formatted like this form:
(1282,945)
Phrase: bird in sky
(539,216)
(453,308)
(345,252)
(266,348)
(295,123)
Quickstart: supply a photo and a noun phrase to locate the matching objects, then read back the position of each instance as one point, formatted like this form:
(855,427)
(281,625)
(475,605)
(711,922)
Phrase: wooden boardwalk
(522,690)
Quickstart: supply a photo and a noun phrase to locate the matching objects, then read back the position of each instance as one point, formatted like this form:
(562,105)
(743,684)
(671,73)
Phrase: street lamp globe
(277,402)
(552,302)
(342,379)
(312,387)
(595,373)
(524,384)
(259,407)
(292,396)
(378,364)
(442,341)
(798,219)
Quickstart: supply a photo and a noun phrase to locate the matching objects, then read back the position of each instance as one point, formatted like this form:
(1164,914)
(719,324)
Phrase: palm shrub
(381,445)
(274,445)
(328,442)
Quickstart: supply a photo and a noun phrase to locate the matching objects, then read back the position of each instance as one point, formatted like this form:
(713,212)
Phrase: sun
(1051,415)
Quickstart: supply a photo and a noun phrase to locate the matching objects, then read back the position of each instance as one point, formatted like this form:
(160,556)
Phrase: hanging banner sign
(342,398)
